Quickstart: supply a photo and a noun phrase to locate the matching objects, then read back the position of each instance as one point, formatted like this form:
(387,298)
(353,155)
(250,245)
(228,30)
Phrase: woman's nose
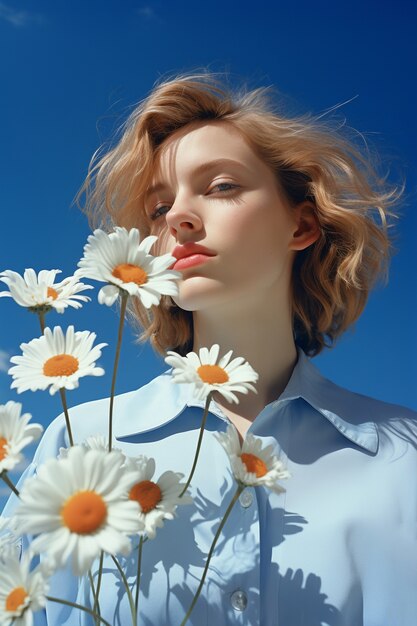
(182,219)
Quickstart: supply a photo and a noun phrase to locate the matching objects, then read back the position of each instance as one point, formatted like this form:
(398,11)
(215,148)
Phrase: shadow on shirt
(299,602)
(294,598)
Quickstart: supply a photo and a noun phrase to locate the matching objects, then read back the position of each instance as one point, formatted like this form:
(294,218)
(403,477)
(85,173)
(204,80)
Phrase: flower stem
(213,545)
(129,593)
(95,596)
(138,574)
(123,303)
(200,439)
(79,606)
(41,315)
(67,419)
(9,483)
(100,574)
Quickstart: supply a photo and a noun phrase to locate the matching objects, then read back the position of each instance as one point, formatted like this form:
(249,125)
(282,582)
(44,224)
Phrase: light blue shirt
(339,547)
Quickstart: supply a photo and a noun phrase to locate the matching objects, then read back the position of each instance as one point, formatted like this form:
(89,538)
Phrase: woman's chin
(199,293)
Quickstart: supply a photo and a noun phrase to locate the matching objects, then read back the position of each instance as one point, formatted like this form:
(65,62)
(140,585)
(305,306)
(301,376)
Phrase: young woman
(279,230)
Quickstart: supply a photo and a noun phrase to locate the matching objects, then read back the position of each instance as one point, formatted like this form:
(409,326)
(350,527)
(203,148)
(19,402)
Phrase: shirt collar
(349,412)
(143,410)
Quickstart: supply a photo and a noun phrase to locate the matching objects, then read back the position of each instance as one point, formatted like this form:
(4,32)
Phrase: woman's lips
(190,261)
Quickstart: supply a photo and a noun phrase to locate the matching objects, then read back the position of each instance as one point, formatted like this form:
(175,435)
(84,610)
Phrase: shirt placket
(233,577)
(235,566)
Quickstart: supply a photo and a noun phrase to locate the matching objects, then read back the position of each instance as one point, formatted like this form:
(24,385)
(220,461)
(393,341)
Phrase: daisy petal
(108,295)
(15,434)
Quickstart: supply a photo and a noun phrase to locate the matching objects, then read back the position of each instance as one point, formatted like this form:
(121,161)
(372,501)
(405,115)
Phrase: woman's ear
(308,226)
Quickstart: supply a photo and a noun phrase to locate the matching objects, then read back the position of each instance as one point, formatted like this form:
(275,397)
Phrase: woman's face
(211,189)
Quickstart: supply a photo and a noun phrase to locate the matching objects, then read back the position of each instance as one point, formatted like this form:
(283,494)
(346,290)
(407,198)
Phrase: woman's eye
(159,211)
(162,209)
(229,187)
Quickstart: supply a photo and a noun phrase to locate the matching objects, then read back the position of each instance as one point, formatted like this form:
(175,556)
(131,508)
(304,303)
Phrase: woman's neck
(263,336)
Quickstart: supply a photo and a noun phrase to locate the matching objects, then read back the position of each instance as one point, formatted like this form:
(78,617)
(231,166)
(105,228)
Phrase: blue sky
(70,73)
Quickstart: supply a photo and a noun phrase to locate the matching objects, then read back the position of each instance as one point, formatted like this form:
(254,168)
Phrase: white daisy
(120,259)
(96,442)
(22,592)
(78,506)
(157,500)
(56,360)
(208,375)
(40,291)
(15,434)
(8,537)
(93,442)
(253,465)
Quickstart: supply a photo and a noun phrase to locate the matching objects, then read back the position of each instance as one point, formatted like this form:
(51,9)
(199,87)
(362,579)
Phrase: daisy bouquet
(93,500)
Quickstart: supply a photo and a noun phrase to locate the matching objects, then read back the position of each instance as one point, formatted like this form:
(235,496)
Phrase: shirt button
(246,498)
(239,600)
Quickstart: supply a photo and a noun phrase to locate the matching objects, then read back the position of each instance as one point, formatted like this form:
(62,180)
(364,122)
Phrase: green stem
(213,545)
(100,574)
(123,304)
(200,439)
(9,483)
(138,574)
(41,315)
(79,606)
(95,596)
(67,419)
(129,593)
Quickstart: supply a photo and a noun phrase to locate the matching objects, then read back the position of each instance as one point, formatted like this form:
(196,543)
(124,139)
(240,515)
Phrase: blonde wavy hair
(312,161)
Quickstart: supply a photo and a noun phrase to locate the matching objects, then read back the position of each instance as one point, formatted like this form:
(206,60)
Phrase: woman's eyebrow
(197,171)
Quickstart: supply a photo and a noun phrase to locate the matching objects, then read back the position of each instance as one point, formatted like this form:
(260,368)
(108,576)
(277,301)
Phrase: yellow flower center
(254,464)
(51,293)
(129,273)
(3,448)
(60,365)
(16,599)
(212,374)
(84,512)
(147,493)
